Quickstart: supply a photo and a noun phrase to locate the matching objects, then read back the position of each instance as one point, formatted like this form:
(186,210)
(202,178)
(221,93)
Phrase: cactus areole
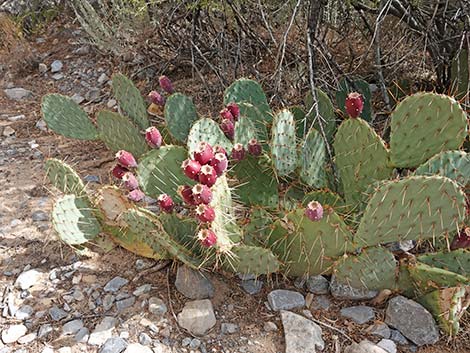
(354,104)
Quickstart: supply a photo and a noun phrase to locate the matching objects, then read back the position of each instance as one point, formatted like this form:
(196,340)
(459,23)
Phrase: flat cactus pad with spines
(283,143)
(207,130)
(246,90)
(312,160)
(180,114)
(64,178)
(452,164)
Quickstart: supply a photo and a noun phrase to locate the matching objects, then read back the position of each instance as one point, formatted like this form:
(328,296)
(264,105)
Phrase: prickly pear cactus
(283,146)
(249,91)
(180,114)
(253,114)
(326,111)
(457,261)
(452,164)
(325,197)
(252,260)
(312,160)
(359,86)
(64,178)
(460,74)
(207,130)
(244,131)
(428,278)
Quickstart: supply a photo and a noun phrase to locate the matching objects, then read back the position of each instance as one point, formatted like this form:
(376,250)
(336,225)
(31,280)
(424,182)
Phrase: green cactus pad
(460,74)
(373,269)
(256,183)
(65,117)
(253,114)
(325,197)
(207,130)
(257,230)
(74,221)
(64,178)
(359,86)
(182,229)
(326,111)
(457,261)
(159,171)
(312,160)
(251,260)
(180,115)
(428,278)
(244,131)
(423,125)
(118,133)
(246,90)
(361,159)
(414,208)
(452,164)
(283,147)
(307,247)
(130,100)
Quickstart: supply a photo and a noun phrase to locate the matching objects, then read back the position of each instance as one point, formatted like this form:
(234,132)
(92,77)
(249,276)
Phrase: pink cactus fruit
(314,211)
(220,149)
(166,203)
(207,238)
(156,98)
(225,114)
(208,175)
(191,168)
(201,194)
(203,153)
(119,171)
(130,181)
(220,163)
(205,213)
(228,128)
(238,152)
(153,137)
(354,104)
(126,159)
(186,193)
(461,240)
(254,147)
(136,195)
(165,84)
(234,110)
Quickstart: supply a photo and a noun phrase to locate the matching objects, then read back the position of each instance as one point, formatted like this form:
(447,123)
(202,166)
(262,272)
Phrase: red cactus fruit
(238,152)
(166,203)
(220,163)
(153,137)
(254,147)
(157,98)
(202,194)
(119,171)
(226,114)
(191,168)
(165,84)
(130,181)
(126,159)
(208,175)
(219,149)
(205,214)
(204,153)
(354,104)
(461,240)
(136,195)
(314,211)
(207,238)
(186,193)
(228,127)
(234,110)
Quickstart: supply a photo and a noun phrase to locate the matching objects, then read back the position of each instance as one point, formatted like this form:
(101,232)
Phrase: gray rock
(27,339)
(72,327)
(42,68)
(301,334)
(93,95)
(157,306)
(39,216)
(65,350)
(252,286)
(78,295)
(12,333)
(77,98)
(359,314)
(321,302)
(192,284)
(56,66)
(58,76)
(18,93)
(28,279)
(197,317)
(92,179)
(403,246)
(195,343)
(41,125)
(282,299)
(102,331)
(345,291)
(380,329)
(44,330)
(186,341)
(412,320)
(318,285)
(270,326)
(17,118)
(25,312)
(8,131)
(103,78)
(82,335)
(229,328)
(388,345)
(145,339)
(111,103)
(137,348)
(108,301)
(115,284)
(142,264)
(398,338)
(364,346)
(145,288)
(57,313)
(125,303)
(113,345)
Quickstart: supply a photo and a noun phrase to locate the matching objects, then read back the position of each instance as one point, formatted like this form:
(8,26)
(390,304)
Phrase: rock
(83,50)
(359,314)
(113,345)
(388,345)
(318,285)
(8,131)
(42,68)
(402,246)
(82,335)
(115,284)
(137,348)
(17,118)
(197,317)
(186,341)
(25,312)
(58,76)
(65,350)
(282,299)
(39,216)
(72,327)
(57,314)
(108,301)
(321,302)
(270,326)
(364,346)
(398,338)
(192,284)
(28,279)
(111,103)
(18,93)
(301,335)
(157,306)
(26,339)
(12,333)
(412,320)
(379,329)
(56,66)
(142,289)
(41,125)
(47,350)
(92,179)
(125,303)
(103,78)
(44,330)
(93,95)
(252,286)
(228,328)
(77,98)
(142,264)
(102,331)
(145,339)
(195,343)
(78,295)
(345,291)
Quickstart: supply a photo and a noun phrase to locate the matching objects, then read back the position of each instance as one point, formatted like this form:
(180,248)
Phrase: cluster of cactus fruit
(255,191)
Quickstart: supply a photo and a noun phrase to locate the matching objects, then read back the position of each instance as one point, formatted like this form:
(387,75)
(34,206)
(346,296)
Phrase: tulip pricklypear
(205,214)
(219,149)
(191,168)
(126,159)
(208,175)
(461,240)
(254,147)
(228,128)
(234,110)
(130,181)
(354,104)
(166,203)
(220,163)
(207,238)
(238,152)
(204,153)
(186,193)
(136,195)
(201,194)
(119,171)
(165,84)
(314,211)
(153,137)
(157,98)
(225,114)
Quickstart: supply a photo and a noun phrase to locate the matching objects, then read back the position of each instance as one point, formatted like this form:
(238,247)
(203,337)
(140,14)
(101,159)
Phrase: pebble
(93,95)
(103,78)
(92,179)
(47,350)
(8,131)
(270,326)
(359,314)
(41,125)
(42,68)
(364,346)
(78,295)
(17,93)
(72,327)
(28,279)
(398,338)
(82,335)
(56,313)
(252,286)
(65,350)
(115,284)
(44,330)
(111,103)
(388,345)
(17,118)
(39,216)
(321,302)
(108,301)
(137,348)
(77,98)
(301,335)
(318,285)
(26,339)
(193,284)
(282,299)
(125,303)
(380,329)
(142,264)
(102,331)
(56,66)
(145,288)
(113,345)
(145,339)
(13,333)
(23,313)
(186,341)
(157,306)
(229,328)
(345,291)
(197,317)
(58,76)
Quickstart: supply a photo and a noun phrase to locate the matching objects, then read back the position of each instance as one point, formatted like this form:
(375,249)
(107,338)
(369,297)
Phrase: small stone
(83,50)
(41,125)
(197,317)
(388,345)
(115,284)
(359,314)
(92,179)
(102,331)
(145,339)
(44,330)
(18,93)
(157,306)
(125,303)
(13,333)
(78,295)
(364,346)
(8,131)
(82,335)
(124,334)
(318,285)
(111,103)
(137,348)
(252,286)
(103,78)
(228,328)
(42,68)
(47,350)
(26,339)
(77,98)
(142,264)
(270,326)
(108,301)
(321,302)
(195,343)
(39,216)
(113,345)
(345,291)
(93,95)
(57,314)
(72,327)
(23,313)
(186,341)
(192,284)
(58,76)
(380,329)
(17,118)
(56,66)
(145,288)
(28,279)
(301,334)
(401,246)
(282,299)
(398,338)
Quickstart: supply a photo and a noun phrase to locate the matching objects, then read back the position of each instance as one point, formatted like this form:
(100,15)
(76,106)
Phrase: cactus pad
(325,197)
(252,113)
(65,117)
(312,160)
(326,111)
(251,260)
(112,204)
(207,130)
(283,147)
(180,114)
(244,131)
(428,278)
(64,178)
(423,125)
(246,90)
(452,164)
(457,261)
